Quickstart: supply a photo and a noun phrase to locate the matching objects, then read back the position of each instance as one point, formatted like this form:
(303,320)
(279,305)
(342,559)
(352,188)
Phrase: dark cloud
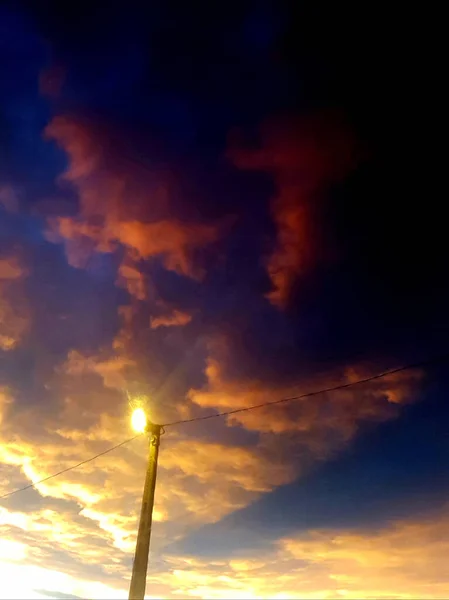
(304,156)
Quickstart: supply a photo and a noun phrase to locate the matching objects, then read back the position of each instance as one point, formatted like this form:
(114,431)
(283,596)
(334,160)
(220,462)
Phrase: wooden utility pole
(140,565)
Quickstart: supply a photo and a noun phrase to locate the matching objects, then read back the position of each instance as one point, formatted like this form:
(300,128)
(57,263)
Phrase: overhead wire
(408,367)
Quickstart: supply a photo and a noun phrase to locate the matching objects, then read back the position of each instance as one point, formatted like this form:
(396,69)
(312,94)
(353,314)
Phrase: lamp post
(140,565)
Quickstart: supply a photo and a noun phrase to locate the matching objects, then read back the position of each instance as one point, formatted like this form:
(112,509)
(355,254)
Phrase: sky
(204,207)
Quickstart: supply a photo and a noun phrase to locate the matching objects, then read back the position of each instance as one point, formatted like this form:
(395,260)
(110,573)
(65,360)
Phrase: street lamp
(141,424)
(139,420)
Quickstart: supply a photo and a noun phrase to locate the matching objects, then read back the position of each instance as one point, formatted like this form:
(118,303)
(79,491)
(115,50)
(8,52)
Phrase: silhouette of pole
(140,565)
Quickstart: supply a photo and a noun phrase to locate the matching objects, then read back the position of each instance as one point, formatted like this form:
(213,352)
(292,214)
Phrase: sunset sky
(207,206)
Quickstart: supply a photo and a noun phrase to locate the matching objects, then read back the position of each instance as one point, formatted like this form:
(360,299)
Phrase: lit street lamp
(139,420)
(141,424)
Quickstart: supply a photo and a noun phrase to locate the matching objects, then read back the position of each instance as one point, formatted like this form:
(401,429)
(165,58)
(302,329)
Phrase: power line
(83,462)
(335,388)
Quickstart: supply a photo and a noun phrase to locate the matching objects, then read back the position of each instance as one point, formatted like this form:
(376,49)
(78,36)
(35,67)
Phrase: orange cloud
(305,157)
(373,399)
(97,518)
(325,423)
(84,151)
(133,280)
(239,466)
(296,246)
(10,269)
(112,370)
(90,417)
(95,521)
(177,318)
(402,560)
(14,319)
(5,401)
(119,206)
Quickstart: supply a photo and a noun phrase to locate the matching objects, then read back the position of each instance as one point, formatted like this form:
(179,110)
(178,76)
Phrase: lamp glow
(139,420)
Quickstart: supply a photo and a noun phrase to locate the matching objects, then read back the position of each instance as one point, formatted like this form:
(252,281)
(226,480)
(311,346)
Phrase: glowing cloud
(146,228)
(177,318)
(304,157)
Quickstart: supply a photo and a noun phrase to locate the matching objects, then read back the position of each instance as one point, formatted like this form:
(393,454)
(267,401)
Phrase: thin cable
(335,388)
(83,462)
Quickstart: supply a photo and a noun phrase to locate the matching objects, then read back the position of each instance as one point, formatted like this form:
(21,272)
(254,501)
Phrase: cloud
(404,560)
(312,428)
(174,240)
(120,205)
(304,156)
(25,580)
(177,318)
(112,370)
(87,518)
(98,530)
(10,269)
(97,507)
(139,246)
(9,198)
(5,401)
(236,467)
(12,550)
(14,319)
(86,524)
(132,279)
(371,400)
